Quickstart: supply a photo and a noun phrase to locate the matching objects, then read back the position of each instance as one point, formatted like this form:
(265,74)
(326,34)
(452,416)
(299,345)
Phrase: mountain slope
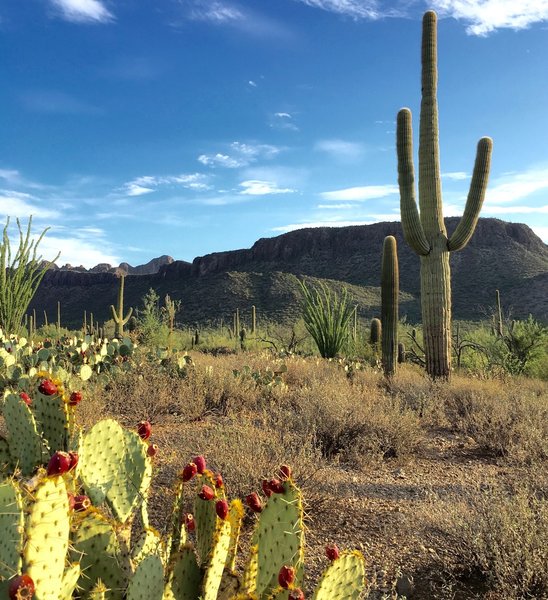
(501,255)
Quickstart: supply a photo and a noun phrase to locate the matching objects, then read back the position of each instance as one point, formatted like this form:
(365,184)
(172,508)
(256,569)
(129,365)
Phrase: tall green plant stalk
(425,232)
(20,276)
(326,316)
(390,288)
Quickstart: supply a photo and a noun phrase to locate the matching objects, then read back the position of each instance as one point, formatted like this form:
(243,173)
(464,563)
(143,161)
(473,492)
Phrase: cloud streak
(240,155)
(255,187)
(83,11)
(366,192)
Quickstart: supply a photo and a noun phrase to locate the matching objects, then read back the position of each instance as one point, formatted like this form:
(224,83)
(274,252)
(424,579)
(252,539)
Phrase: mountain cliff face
(500,255)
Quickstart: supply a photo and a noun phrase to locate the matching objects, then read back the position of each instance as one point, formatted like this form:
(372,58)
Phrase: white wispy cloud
(357,9)
(282,120)
(22,205)
(485,16)
(150,183)
(337,206)
(215,12)
(366,192)
(83,11)
(240,154)
(314,224)
(254,187)
(252,83)
(515,186)
(83,246)
(514,210)
(456,175)
(341,150)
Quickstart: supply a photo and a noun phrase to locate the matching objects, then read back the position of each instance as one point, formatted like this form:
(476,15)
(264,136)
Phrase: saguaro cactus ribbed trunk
(118,315)
(425,232)
(390,288)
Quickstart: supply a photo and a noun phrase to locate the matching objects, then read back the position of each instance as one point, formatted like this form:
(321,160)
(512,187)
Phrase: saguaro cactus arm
(118,315)
(476,195)
(411,223)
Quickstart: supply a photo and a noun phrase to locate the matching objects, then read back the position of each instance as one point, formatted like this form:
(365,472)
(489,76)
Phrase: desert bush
(509,420)
(501,536)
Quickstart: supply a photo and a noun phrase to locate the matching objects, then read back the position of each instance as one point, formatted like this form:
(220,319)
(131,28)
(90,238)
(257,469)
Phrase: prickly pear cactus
(344,579)
(47,538)
(279,537)
(185,576)
(11,533)
(148,581)
(25,443)
(114,468)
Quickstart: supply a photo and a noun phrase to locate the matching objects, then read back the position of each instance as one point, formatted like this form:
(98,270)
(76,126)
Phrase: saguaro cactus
(425,232)
(390,288)
(118,315)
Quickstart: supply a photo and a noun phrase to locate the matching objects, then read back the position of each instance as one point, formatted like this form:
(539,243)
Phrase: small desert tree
(20,275)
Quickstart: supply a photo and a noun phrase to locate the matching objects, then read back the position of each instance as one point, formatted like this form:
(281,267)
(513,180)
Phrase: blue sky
(183,127)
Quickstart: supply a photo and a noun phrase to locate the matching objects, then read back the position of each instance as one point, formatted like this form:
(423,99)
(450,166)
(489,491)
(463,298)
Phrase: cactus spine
(118,315)
(426,233)
(389,305)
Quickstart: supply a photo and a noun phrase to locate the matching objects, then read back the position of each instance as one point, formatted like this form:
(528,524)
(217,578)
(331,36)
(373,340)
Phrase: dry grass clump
(498,539)
(510,420)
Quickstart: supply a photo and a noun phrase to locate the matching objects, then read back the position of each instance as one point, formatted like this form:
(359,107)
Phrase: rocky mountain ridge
(500,255)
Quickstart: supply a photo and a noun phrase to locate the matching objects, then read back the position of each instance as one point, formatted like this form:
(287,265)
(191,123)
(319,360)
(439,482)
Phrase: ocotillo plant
(389,305)
(425,232)
(118,315)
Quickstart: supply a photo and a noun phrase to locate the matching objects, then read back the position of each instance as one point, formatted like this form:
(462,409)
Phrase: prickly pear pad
(249,577)
(114,467)
(97,549)
(279,593)
(149,542)
(344,578)
(5,459)
(47,538)
(51,414)
(11,533)
(147,582)
(205,518)
(235,517)
(217,560)
(70,579)
(280,537)
(185,577)
(25,444)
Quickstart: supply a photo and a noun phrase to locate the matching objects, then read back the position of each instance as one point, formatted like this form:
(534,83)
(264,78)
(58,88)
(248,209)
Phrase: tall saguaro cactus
(390,287)
(118,315)
(425,232)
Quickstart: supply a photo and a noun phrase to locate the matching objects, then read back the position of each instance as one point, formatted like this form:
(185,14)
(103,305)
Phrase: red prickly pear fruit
(47,387)
(21,587)
(296,594)
(73,460)
(200,463)
(81,503)
(332,551)
(221,508)
(285,472)
(189,471)
(25,398)
(190,523)
(152,450)
(254,502)
(71,501)
(276,486)
(286,576)
(75,398)
(266,488)
(219,483)
(206,493)
(144,430)
(59,463)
